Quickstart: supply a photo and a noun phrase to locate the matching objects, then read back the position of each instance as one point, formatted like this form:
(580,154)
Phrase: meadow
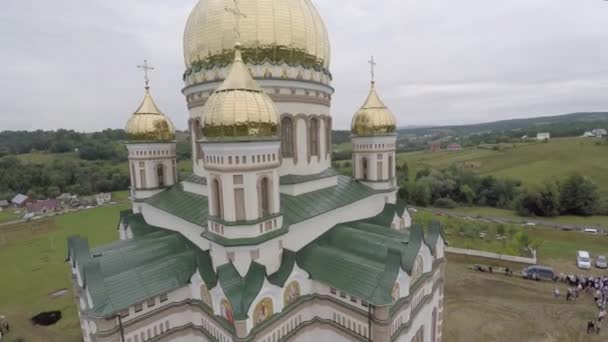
(532,163)
(34,267)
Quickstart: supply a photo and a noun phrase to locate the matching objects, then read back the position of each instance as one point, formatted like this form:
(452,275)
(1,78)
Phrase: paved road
(523,220)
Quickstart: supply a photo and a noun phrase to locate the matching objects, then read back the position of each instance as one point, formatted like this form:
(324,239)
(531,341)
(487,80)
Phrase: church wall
(195,188)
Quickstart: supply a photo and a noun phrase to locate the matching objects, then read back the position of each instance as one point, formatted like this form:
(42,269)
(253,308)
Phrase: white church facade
(264,241)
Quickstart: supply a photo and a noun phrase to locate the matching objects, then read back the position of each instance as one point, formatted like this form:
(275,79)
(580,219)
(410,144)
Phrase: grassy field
(34,267)
(532,163)
(8,215)
(483,236)
(482,307)
(597,220)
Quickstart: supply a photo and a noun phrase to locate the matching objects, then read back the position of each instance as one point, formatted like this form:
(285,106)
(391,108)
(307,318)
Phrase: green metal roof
(288,260)
(192,178)
(433,234)
(296,179)
(241,291)
(186,205)
(299,208)
(363,257)
(124,273)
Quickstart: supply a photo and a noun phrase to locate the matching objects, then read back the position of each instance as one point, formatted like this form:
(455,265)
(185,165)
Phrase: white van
(583,260)
(590,231)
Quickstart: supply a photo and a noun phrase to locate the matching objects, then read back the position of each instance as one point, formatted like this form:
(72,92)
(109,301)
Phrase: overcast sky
(72,63)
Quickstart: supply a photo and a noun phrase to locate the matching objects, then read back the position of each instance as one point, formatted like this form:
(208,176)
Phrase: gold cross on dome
(372,63)
(146,67)
(237,19)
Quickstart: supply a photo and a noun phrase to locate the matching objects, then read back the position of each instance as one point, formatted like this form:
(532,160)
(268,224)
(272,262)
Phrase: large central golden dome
(289,31)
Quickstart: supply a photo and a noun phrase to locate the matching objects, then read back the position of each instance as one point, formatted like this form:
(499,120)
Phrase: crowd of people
(596,286)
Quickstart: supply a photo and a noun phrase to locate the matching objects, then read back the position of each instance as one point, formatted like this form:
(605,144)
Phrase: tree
(466,194)
(421,194)
(539,201)
(403,172)
(579,196)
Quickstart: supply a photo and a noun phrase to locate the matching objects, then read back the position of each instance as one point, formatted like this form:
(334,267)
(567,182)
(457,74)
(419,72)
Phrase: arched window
(364,168)
(264,197)
(160,175)
(391,171)
(217,205)
(417,268)
(314,137)
(142,175)
(287,140)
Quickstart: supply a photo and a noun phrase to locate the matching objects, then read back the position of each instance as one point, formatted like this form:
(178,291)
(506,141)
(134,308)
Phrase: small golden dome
(148,123)
(374,118)
(291,31)
(239,108)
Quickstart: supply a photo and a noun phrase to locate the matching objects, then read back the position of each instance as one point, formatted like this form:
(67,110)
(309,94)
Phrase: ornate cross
(146,67)
(237,19)
(372,63)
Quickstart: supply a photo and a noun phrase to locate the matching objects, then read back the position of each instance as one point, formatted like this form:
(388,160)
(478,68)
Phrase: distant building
(20,200)
(454,147)
(588,135)
(543,136)
(4,204)
(43,207)
(435,147)
(103,198)
(599,132)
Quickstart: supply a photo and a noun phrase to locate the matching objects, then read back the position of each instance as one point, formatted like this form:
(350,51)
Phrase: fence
(496,256)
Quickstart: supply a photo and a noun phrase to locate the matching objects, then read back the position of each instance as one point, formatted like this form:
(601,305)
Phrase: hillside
(581,121)
(531,163)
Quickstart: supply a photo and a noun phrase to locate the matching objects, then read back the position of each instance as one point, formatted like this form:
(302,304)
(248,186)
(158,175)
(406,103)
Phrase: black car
(537,272)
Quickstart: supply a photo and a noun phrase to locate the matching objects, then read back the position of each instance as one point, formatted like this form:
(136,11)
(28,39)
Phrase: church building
(264,241)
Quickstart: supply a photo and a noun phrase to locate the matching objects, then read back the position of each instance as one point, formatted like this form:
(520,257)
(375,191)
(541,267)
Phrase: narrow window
(160,175)
(287,137)
(239,201)
(264,197)
(218,209)
(314,137)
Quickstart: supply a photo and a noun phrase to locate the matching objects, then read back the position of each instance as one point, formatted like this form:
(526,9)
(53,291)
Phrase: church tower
(241,153)
(374,138)
(152,148)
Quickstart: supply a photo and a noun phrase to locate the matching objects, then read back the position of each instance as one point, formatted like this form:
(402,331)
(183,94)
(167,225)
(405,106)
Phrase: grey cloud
(71,63)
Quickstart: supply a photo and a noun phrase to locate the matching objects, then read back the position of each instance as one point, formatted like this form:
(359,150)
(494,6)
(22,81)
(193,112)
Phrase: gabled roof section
(241,291)
(296,179)
(194,208)
(362,257)
(433,234)
(299,208)
(189,206)
(279,277)
(124,273)
(193,178)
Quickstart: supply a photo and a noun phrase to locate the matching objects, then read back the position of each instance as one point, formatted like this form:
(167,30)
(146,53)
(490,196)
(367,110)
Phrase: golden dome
(148,123)
(374,118)
(286,30)
(239,108)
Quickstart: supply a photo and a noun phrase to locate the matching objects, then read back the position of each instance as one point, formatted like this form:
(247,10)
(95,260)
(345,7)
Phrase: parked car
(583,260)
(538,272)
(601,261)
(530,224)
(592,231)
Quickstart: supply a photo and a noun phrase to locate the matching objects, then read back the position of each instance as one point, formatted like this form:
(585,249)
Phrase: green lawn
(8,215)
(463,233)
(531,163)
(35,267)
(597,220)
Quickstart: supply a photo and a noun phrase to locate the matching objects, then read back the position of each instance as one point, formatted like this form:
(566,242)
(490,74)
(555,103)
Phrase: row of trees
(52,179)
(446,188)
(576,195)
